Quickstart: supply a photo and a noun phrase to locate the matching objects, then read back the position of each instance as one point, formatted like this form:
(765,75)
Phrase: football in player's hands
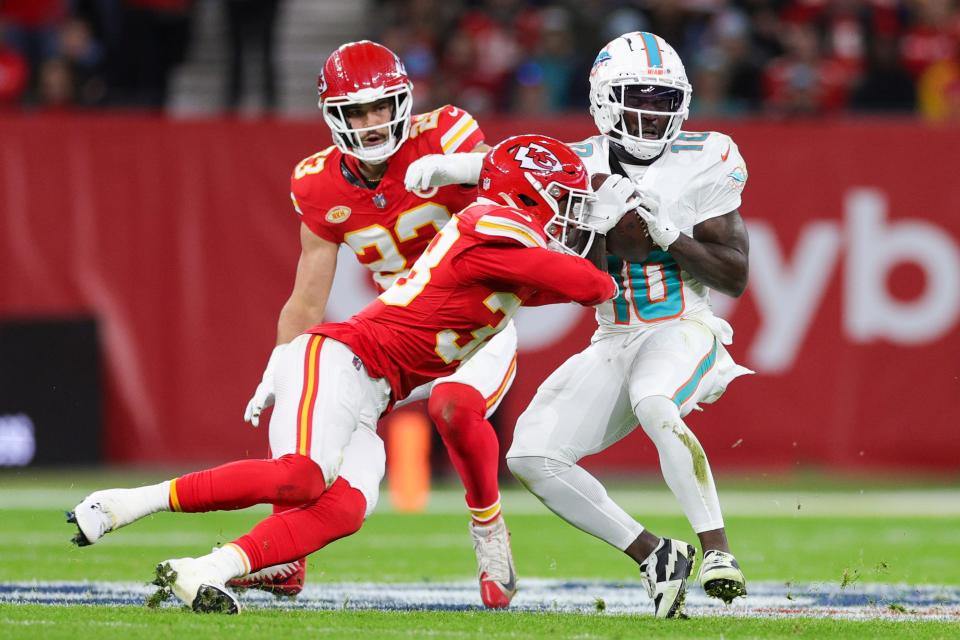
(629,239)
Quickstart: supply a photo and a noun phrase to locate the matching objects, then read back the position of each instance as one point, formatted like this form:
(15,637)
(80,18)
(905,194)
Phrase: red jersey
(464,289)
(387,226)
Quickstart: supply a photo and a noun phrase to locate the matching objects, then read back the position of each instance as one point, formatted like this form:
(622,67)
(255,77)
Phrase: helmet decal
(548,181)
(603,56)
(534,157)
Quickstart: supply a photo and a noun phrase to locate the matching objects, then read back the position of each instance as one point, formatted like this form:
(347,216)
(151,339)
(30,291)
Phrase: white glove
(663,231)
(438,170)
(264,395)
(615,197)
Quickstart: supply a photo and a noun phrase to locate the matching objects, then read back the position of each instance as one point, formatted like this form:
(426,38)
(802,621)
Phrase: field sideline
(824,559)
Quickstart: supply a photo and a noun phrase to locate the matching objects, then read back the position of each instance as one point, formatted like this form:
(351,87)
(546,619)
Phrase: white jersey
(699,176)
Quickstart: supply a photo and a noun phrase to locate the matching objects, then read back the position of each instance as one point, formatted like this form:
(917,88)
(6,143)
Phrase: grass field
(817,554)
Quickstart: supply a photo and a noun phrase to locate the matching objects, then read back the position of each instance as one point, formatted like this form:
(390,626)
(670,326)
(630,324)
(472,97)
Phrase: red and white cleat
(498,577)
(280,579)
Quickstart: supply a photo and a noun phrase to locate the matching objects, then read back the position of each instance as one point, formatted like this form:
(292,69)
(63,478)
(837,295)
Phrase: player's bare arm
(717,254)
(311,288)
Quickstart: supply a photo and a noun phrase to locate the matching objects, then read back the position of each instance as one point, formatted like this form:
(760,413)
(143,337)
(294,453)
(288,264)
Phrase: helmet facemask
(566,229)
(645,116)
(349,140)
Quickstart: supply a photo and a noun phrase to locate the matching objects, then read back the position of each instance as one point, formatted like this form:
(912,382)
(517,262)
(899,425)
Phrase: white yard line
(766,599)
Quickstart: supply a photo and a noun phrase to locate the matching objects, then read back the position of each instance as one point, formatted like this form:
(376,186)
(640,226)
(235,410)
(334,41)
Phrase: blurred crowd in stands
(64,54)
(779,58)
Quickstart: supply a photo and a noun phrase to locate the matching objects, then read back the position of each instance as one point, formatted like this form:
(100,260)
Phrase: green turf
(32,622)
(402,548)
(800,547)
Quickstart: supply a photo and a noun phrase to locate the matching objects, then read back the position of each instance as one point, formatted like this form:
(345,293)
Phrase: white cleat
(721,577)
(196,584)
(100,513)
(665,573)
(498,577)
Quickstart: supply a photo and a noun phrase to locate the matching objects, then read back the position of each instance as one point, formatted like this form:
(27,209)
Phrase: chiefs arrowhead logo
(533,157)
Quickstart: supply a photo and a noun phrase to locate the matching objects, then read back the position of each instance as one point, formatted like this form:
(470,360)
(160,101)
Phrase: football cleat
(195,583)
(498,577)
(280,579)
(100,513)
(665,573)
(721,577)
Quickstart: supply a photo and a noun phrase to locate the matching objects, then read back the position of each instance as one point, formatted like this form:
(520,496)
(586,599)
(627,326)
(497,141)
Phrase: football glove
(663,231)
(615,197)
(264,395)
(439,170)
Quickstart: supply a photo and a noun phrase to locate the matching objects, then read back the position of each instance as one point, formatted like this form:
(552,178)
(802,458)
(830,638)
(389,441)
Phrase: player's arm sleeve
(720,190)
(556,277)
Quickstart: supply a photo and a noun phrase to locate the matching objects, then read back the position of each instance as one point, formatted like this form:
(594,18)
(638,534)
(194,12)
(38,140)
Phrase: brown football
(628,240)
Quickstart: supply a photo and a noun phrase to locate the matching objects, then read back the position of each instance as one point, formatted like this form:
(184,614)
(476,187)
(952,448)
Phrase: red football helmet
(358,73)
(545,177)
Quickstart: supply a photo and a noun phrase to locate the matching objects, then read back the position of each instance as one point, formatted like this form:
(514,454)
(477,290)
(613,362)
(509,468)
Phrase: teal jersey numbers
(688,137)
(649,291)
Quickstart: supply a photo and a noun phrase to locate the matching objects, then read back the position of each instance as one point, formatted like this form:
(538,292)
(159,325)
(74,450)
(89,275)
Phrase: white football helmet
(645,61)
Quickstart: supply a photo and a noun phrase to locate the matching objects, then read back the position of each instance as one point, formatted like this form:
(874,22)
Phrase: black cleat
(665,573)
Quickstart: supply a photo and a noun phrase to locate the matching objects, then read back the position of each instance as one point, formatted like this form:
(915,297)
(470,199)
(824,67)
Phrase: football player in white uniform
(659,350)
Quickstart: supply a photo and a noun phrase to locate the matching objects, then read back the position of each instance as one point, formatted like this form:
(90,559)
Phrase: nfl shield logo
(379,201)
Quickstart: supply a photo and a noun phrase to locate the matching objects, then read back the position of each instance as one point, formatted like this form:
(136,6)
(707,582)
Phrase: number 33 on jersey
(387,226)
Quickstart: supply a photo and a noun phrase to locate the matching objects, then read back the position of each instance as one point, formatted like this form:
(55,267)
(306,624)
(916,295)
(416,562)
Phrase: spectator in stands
(251,25)
(885,86)
(802,81)
(56,85)
(85,58)
(14,74)
(543,82)
(155,37)
(932,37)
(31,28)
(940,91)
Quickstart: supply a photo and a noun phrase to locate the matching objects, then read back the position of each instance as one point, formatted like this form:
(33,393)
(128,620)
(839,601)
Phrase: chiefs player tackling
(353,193)
(333,382)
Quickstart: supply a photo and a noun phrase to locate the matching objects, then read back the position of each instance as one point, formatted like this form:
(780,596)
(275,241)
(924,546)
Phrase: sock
(577,497)
(288,480)
(296,533)
(682,461)
(228,561)
(486,515)
(142,501)
(459,413)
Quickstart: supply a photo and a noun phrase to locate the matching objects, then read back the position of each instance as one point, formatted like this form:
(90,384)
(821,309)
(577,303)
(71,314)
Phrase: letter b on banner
(875,248)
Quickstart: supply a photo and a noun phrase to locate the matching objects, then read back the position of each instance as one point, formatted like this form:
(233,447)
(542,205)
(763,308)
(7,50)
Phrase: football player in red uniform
(353,193)
(335,381)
